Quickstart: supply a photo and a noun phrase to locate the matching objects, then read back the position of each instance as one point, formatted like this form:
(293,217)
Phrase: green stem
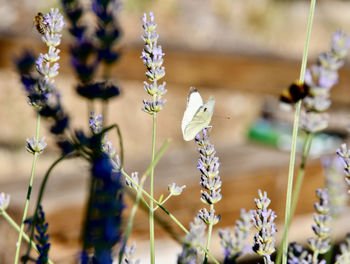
(151,211)
(139,196)
(172,217)
(301,173)
(131,219)
(41,193)
(210,230)
(295,133)
(164,201)
(15,226)
(26,205)
(297,188)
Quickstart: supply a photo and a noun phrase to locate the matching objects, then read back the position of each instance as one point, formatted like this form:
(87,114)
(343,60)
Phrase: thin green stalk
(301,173)
(172,217)
(297,188)
(131,219)
(15,226)
(139,196)
(295,134)
(26,205)
(210,230)
(41,193)
(151,211)
(163,202)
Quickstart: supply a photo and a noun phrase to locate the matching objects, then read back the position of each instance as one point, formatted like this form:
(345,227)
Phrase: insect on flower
(294,93)
(39,23)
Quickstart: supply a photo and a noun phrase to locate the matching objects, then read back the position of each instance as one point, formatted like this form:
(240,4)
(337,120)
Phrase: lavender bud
(36,147)
(312,121)
(135,178)
(340,44)
(344,154)
(175,190)
(153,106)
(344,257)
(54,25)
(208,217)
(296,254)
(4,202)
(329,61)
(129,254)
(95,123)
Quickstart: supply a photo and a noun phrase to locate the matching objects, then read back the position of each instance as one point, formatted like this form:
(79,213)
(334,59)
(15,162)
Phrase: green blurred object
(278,134)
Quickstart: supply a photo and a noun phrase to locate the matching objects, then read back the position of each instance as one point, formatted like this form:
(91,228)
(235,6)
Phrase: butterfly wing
(194,102)
(200,120)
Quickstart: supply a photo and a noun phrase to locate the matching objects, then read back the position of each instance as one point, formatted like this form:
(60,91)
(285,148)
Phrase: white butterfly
(197,115)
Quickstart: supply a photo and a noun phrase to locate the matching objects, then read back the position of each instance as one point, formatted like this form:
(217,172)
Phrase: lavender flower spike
(191,253)
(235,245)
(47,64)
(321,244)
(320,79)
(344,153)
(263,219)
(4,201)
(152,56)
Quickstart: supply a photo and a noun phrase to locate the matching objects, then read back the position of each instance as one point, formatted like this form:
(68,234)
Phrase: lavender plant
(90,51)
(208,165)
(152,56)
(40,92)
(102,225)
(42,239)
(234,245)
(263,219)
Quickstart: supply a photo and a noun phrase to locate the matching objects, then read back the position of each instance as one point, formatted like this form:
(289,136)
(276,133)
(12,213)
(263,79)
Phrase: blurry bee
(39,23)
(294,93)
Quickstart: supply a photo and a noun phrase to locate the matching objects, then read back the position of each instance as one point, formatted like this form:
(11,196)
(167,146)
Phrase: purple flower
(263,220)
(322,230)
(95,122)
(191,253)
(344,153)
(320,79)
(336,185)
(152,56)
(234,245)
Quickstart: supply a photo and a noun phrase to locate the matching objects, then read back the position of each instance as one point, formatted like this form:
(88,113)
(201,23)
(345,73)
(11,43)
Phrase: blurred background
(242,52)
